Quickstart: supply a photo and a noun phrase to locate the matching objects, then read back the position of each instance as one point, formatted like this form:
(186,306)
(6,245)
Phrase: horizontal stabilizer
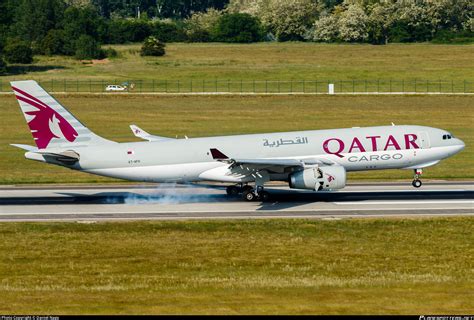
(142,134)
(24,147)
(68,157)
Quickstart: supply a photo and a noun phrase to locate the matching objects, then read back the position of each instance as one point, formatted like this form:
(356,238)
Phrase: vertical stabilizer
(50,123)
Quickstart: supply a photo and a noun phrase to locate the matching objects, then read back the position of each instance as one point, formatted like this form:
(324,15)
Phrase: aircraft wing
(142,134)
(277,165)
(267,162)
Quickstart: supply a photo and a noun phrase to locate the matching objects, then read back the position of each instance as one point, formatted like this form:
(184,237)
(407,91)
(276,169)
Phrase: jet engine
(319,178)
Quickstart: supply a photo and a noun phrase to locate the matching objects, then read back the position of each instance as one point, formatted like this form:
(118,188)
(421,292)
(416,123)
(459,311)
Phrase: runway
(178,202)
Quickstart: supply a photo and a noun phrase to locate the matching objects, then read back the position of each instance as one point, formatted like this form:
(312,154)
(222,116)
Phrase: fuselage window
(444,137)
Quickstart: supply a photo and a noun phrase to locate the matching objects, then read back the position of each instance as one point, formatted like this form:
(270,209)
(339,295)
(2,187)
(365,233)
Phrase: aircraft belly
(160,173)
(223,174)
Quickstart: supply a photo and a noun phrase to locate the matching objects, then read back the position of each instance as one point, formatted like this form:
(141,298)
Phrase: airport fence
(259,86)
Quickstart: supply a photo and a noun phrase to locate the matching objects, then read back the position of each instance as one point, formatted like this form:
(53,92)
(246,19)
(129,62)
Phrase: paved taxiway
(174,202)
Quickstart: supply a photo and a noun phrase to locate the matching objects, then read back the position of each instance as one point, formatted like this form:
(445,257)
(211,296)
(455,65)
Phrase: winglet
(217,155)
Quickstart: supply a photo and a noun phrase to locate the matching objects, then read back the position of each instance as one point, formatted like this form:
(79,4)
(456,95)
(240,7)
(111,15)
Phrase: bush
(238,27)
(198,35)
(449,36)
(152,47)
(53,43)
(168,31)
(111,53)
(88,48)
(3,66)
(18,51)
(400,33)
(122,30)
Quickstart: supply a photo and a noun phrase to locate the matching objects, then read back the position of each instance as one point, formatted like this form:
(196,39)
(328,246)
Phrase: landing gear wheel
(232,190)
(417,183)
(246,188)
(416,179)
(249,195)
(264,196)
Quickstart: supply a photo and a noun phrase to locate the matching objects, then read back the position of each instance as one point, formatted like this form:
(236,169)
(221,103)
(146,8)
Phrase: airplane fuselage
(188,160)
(316,160)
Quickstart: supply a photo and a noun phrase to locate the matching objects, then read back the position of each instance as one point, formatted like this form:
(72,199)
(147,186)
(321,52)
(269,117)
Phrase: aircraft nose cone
(461,145)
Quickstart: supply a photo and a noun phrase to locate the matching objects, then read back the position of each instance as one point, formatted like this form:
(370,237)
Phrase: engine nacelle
(319,178)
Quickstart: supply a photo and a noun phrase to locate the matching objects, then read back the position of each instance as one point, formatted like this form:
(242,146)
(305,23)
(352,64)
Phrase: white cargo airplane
(316,160)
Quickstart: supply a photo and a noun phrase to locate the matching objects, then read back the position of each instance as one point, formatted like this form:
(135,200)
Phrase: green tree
(288,20)
(3,66)
(180,9)
(353,24)
(168,31)
(34,18)
(382,18)
(238,27)
(200,25)
(152,47)
(18,51)
(326,28)
(413,23)
(7,10)
(53,43)
(80,21)
(103,6)
(88,48)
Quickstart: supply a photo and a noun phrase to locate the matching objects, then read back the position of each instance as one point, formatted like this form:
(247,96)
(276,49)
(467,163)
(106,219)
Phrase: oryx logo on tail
(44,122)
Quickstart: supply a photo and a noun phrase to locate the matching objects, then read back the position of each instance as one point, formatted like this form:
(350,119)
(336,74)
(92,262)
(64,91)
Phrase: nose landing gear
(416,179)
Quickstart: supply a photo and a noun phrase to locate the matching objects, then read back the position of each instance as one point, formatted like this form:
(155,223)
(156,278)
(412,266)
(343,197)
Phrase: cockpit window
(447,136)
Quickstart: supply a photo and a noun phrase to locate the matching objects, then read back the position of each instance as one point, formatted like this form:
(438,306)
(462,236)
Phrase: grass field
(261,61)
(376,266)
(196,116)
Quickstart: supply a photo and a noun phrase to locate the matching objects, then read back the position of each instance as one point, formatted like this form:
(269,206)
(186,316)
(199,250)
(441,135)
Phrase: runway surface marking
(405,202)
(166,202)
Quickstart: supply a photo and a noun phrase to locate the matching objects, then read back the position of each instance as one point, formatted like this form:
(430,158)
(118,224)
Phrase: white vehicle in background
(115,87)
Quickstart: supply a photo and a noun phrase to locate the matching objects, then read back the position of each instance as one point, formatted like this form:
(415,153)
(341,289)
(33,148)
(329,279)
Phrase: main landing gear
(248,192)
(416,179)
